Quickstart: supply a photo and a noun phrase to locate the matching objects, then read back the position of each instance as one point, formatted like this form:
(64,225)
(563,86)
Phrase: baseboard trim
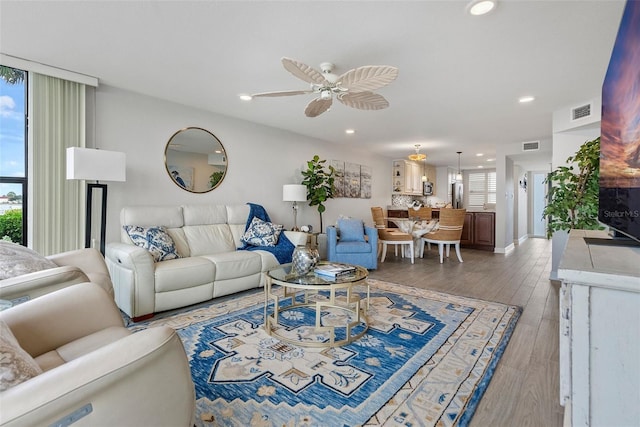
(505,250)
(522,239)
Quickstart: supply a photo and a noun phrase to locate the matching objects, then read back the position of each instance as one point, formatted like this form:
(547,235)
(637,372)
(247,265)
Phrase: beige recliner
(77,266)
(95,372)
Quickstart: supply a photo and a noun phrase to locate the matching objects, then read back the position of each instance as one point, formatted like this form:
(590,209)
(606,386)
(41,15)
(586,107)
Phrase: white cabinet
(407,177)
(599,333)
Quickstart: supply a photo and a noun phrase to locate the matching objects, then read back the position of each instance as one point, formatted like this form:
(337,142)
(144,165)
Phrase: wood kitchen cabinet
(407,177)
(479,231)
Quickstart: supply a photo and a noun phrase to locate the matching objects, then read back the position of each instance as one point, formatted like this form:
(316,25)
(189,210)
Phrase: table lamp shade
(294,193)
(98,165)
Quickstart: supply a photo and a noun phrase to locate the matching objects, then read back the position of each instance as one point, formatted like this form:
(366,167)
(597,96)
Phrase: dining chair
(448,233)
(423,213)
(389,236)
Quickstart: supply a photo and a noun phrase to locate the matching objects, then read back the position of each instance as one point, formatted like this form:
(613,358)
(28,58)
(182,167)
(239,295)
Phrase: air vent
(531,146)
(581,112)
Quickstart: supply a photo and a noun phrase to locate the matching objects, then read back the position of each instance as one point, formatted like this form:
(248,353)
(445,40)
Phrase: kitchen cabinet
(407,177)
(479,231)
(599,332)
(396,213)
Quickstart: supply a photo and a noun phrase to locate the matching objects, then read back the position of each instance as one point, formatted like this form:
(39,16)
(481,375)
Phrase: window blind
(482,189)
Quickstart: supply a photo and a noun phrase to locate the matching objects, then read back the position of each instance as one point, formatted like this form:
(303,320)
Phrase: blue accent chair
(347,243)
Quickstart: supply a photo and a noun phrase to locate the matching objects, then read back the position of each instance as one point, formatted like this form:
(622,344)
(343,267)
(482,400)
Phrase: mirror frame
(216,139)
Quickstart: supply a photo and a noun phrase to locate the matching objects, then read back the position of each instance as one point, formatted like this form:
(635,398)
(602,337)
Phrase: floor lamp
(294,193)
(95,165)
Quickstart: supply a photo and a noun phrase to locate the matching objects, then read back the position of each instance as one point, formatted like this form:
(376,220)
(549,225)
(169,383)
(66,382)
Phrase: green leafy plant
(11,225)
(319,183)
(573,197)
(215,178)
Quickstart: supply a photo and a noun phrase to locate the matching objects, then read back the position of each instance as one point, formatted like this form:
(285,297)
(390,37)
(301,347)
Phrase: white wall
(261,159)
(520,227)
(568,136)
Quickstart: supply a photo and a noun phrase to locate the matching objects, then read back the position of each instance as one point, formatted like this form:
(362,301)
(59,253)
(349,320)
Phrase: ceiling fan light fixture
(325,94)
(481,7)
(417,156)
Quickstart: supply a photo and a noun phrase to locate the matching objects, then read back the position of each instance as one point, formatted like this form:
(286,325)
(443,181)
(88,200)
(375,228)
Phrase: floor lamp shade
(98,165)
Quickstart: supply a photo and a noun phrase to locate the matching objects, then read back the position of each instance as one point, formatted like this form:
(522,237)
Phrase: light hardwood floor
(524,390)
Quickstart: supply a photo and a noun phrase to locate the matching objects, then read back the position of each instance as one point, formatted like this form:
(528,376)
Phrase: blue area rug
(426,359)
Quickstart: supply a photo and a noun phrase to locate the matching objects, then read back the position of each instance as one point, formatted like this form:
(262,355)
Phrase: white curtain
(57,121)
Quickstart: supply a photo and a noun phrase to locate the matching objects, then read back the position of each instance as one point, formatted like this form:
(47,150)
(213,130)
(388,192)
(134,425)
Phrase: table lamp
(294,193)
(96,165)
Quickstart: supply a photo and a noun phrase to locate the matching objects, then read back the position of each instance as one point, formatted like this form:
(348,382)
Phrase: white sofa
(206,238)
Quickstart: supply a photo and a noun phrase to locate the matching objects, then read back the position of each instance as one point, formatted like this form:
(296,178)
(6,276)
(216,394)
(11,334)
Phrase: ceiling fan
(353,88)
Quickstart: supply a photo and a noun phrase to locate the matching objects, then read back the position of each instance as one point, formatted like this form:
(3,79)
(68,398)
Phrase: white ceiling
(457,90)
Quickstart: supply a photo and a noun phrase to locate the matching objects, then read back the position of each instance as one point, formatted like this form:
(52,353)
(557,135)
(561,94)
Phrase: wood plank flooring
(524,390)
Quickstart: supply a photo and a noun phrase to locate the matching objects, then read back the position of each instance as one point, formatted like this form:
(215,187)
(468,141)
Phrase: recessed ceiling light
(350,131)
(480,167)
(479,154)
(491,160)
(245,97)
(526,99)
(481,7)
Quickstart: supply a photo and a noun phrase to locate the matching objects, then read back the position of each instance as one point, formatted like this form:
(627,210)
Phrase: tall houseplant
(573,197)
(319,183)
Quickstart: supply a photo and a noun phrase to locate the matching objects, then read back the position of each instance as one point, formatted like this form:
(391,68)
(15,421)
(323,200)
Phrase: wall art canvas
(365,182)
(338,183)
(352,180)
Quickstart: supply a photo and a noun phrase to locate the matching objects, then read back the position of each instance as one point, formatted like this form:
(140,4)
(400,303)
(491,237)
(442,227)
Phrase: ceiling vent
(531,146)
(581,112)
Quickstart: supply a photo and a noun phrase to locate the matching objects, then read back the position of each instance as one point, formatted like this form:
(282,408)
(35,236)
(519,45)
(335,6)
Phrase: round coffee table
(307,287)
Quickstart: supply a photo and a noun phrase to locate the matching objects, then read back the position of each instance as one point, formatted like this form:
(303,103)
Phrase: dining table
(416,227)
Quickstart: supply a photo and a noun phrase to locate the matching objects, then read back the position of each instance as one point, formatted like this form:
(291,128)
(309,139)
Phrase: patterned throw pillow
(262,233)
(16,365)
(154,239)
(16,260)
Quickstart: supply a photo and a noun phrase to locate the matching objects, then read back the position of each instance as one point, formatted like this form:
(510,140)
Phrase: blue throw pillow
(154,239)
(351,230)
(262,233)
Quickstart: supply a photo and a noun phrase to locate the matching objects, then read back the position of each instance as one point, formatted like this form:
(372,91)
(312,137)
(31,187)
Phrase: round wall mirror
(195,160)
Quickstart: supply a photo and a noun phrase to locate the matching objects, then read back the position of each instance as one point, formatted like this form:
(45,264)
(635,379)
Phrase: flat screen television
(620,134)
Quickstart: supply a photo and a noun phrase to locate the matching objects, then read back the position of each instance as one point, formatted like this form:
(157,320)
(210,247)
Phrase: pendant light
(417,156)
(459,174)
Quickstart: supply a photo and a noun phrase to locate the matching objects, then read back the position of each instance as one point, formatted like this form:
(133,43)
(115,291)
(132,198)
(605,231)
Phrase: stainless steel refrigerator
(457,193)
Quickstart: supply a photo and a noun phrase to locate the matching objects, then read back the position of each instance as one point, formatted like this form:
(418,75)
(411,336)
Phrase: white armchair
(95,372)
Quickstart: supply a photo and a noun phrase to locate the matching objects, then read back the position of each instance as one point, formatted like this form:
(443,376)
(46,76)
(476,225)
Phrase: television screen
(620,135)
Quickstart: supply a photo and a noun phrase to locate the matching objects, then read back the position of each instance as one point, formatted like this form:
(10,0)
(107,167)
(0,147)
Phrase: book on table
(334,270)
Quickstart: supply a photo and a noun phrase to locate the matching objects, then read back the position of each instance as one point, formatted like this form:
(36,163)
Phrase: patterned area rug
(426,359)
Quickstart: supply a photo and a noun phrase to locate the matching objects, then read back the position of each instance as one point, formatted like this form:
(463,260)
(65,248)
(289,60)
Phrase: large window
(13,155)
(482,188)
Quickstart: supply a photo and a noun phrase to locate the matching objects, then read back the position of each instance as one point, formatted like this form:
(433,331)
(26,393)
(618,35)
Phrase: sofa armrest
(90,261)
(332,241)
(60,317)
(372,235)
(133,275)
(32,285)
(140,380)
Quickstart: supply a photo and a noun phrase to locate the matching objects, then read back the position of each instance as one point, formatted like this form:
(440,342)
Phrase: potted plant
(319,183)
(573,196)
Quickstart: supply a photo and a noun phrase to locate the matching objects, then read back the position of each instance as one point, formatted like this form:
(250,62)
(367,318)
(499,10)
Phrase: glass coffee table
(307,291)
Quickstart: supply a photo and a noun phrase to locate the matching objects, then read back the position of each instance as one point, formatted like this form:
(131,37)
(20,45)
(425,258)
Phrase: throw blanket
(282,250)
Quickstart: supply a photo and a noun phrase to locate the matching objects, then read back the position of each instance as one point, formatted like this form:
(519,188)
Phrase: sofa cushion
(351,230)
(262,233)
(231,265)
(353,248)
(154,239)
(16,365)
(209,239)
(183,273)
(16,260)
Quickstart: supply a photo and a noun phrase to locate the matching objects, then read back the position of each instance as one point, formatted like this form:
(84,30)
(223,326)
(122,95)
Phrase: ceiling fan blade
(364,100)
(282,93)
(303,71)
(369,77)
(317,107)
